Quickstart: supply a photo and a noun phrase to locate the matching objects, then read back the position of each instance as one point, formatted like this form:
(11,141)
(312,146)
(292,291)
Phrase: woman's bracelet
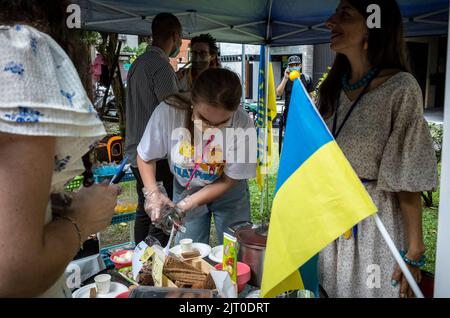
(420,263)
(67,218)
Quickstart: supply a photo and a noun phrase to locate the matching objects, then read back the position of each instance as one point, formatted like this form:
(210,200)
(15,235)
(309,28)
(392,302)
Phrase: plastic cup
(103,283)
(304,293)
(186,245)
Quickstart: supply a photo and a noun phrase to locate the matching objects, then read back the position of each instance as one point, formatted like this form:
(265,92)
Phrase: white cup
(186,245)
(103,283)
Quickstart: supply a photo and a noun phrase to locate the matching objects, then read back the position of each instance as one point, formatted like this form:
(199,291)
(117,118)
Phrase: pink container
(123,295)
(119,265)
(243,274)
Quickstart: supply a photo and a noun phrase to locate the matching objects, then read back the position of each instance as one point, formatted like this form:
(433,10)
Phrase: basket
(124,217)
(127,177)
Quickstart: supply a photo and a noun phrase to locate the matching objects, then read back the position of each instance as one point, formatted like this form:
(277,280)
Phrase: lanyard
(188,185)
(337,131)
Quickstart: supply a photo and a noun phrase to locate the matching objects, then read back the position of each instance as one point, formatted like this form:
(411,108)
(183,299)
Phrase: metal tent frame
(254,22)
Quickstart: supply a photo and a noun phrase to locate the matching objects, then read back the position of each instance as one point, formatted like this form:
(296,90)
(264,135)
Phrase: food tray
(121,273)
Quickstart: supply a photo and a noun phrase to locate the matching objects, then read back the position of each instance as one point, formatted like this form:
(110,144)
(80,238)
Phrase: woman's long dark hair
(46,16)
(50,17)
(386,49)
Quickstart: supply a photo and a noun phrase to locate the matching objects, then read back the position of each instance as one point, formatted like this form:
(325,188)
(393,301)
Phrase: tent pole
(114,8)
(442,277)
(243,75)
(111,21)
(266,97)
(235,27)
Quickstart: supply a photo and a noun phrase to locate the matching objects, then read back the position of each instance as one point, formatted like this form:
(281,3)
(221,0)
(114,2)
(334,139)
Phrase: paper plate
(116,289)
(216,254)
(204,249)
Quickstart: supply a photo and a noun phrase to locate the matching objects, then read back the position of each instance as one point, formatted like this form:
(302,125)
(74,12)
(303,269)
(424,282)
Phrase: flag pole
(411,281)
(266,97)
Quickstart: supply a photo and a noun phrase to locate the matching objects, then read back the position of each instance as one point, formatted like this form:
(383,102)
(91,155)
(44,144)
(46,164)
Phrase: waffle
(185,275)
(189,255)
(174,263)
(209,283)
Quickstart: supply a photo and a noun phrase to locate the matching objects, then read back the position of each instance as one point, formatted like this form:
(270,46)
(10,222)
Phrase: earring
(366,42)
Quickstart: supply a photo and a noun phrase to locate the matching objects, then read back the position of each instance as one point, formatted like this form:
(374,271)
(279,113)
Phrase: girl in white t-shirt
(210,144)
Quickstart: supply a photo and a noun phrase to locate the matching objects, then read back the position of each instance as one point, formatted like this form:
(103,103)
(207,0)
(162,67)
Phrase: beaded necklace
(361,83)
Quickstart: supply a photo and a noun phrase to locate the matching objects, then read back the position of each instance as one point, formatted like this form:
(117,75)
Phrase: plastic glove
(155,200)
(186,205)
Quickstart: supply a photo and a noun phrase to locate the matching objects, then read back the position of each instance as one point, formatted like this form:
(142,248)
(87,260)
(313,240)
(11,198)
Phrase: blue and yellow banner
(265,108)
(318,197)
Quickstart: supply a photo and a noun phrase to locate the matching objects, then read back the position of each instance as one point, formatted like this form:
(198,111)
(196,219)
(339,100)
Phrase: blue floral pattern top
(24,114)
(42,95)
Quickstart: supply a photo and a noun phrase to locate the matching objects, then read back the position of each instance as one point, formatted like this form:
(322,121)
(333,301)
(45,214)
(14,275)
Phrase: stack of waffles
(185,275)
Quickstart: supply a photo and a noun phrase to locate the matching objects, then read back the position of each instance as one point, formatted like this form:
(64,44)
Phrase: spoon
(172,234)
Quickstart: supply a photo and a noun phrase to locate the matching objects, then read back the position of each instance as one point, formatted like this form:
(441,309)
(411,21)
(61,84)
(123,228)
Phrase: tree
(109,47)
(136,51)
(107,44)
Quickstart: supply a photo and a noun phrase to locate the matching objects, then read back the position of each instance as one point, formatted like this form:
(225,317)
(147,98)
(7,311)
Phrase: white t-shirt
(166,137)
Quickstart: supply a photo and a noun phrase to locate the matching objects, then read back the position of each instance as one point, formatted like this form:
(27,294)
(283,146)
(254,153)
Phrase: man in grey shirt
(150,80)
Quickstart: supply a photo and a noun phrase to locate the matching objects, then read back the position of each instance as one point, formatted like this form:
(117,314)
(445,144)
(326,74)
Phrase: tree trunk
(108,48)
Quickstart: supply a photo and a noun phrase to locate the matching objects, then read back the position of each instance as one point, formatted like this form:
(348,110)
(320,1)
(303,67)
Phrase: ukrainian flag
(318,197)
(265,108)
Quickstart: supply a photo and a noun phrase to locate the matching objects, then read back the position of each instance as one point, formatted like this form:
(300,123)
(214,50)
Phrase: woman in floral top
(47,124)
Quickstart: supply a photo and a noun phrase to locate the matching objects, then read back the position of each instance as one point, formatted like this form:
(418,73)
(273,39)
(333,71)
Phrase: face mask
(175,52)
(177,48)
(295,68)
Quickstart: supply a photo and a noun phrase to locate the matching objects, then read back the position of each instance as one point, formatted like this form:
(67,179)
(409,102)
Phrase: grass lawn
(430,225)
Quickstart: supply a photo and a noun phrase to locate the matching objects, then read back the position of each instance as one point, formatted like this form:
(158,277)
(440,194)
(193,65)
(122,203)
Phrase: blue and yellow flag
(318,197)
(265,108)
